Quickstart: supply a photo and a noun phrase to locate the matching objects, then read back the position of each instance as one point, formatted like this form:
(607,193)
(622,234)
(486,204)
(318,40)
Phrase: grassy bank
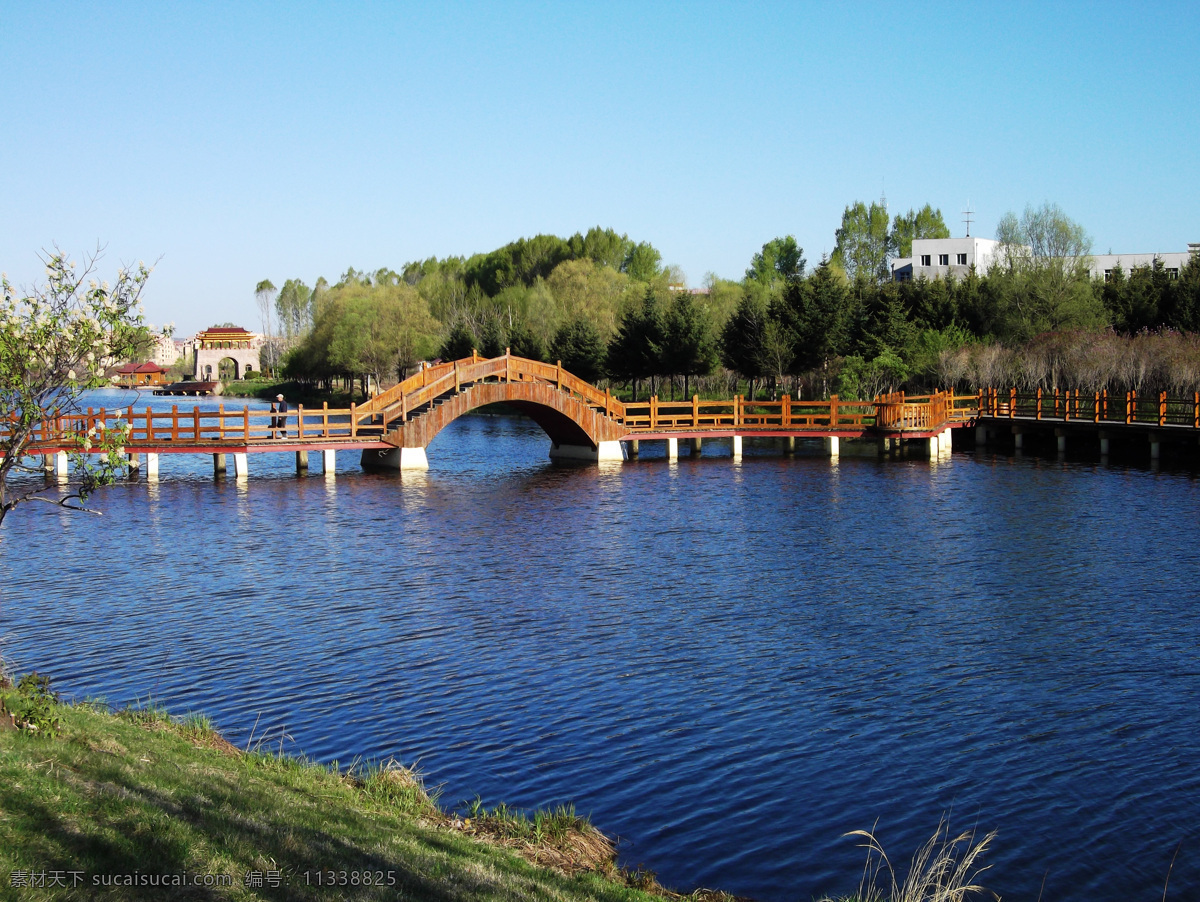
(100,804)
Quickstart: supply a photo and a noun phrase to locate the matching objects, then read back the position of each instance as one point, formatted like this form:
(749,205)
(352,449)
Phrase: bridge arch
(575,429)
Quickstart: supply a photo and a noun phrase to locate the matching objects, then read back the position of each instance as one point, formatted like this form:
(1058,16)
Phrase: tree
(1045,273)
(689,349)
(264,295)
(781,260)
(743,339)
(293,306)
(637,350)
(643,263)
(459,343)
(924,223)
(816,313)
(862,242)
(54,342)
(579,347)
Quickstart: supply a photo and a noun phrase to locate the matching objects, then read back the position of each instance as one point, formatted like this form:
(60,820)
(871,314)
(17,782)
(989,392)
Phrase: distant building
(936,258)
(134,375)
(166,350)
(233,343)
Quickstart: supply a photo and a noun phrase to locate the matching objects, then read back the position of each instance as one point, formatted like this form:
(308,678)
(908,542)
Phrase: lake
(727,664)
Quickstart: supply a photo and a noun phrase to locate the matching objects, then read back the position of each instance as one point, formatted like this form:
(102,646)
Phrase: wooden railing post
(325,419)
(1196,411)
(354,420)
(246,423)
(1039,403)
(1131,406)
(196,423)
(654,411)
(558,374)
(300,421)
(175,422)
(1012,402)
(149,424)
(1096,417)
(695,411)
(1162,408)
(221,420)
(785,411)
(833,410)
(737,410)
(457,381)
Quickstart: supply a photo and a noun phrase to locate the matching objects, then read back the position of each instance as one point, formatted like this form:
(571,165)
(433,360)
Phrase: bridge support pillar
(1018,438)
(133,461)
(832,446)
(241,465)
(301,462)
(603,451)
(329,461)
(981,435)
(696,447)
(633,449)
(1155,446)
(737,447)
(395,459)
(1105,444)
(62,464)
(672,449)
(219,464)
(1061,436)
(789,445)
(151,465)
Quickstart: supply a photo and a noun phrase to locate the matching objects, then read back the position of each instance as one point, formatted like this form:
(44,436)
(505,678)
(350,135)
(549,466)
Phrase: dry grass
(944,869)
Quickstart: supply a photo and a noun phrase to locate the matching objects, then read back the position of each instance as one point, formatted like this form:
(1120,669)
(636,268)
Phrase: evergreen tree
(689,349)
(579,347)
(742,340)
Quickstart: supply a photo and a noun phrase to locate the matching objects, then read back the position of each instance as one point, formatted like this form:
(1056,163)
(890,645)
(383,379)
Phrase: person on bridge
(279,423)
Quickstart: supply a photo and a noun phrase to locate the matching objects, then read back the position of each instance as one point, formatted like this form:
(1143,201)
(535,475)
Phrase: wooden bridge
(394,428)
(1095,417)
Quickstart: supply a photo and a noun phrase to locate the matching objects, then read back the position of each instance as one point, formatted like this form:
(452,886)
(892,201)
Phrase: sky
(229,143)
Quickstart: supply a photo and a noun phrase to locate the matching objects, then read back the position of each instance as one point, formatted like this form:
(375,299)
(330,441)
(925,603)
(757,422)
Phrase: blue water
(727,664)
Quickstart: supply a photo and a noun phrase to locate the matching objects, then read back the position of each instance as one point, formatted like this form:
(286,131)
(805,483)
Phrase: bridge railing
(235,426)
(1096,407)
(785,413)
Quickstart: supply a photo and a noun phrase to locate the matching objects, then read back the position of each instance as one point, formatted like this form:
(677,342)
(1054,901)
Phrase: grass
(944,869)
(113,794)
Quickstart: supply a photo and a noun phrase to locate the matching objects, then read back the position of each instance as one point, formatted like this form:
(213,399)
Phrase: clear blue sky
(243,141)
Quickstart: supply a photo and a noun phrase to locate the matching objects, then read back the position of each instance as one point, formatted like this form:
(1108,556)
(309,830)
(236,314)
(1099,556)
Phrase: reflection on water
(728,663)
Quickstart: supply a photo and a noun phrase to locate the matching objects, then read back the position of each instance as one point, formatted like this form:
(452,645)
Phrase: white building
(936,258)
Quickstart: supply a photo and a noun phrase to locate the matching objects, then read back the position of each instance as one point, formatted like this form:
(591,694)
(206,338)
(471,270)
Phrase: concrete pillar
(1155,446)
(62,464)
(672,449)
(633,449)
(219,465)
(133,461)
(152,465)
(1061,435)
(395,459)
(981,435)
(607,451)
(946,443)
(241,465)
(329,461)
(48,463)
(737,447)
(696,447)
(1018,440)
(789,445)
(832,446)
(301,461)
(1104,443)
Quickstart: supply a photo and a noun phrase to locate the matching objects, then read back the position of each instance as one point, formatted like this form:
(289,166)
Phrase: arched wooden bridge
(394,428)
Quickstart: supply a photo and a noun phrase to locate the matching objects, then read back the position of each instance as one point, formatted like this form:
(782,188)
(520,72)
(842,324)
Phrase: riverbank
(109,804)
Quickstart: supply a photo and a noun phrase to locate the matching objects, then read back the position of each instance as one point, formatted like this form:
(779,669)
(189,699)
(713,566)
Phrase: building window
(1108,275)
(924,259)
(962,259)
(943,259)
(1172,274)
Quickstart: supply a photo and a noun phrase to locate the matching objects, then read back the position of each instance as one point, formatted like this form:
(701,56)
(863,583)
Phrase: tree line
(608,308)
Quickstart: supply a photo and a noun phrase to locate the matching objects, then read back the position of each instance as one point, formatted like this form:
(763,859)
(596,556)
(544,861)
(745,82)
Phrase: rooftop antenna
(967,217)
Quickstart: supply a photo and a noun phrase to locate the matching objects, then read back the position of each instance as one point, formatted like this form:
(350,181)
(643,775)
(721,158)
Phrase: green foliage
(636,353)
(689,347)
(743,337)
(32,705)
(53,344)
(579,346)
(642,263)
(924,223)
(459,343)
(863,242)
(780,261)
(294,309)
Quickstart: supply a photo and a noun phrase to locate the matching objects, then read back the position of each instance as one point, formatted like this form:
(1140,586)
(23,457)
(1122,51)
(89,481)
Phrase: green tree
(690,347)
(54,340)
(459,343)
(863,242)
(604,247)
(643,263)
(816,312)
(1044,274)
(636,353)
(293,309)
(781,260)
(743,338)
(924,223)
(579,347)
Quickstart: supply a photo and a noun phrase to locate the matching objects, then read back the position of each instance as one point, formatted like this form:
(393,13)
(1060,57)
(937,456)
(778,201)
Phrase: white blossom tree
(55,340)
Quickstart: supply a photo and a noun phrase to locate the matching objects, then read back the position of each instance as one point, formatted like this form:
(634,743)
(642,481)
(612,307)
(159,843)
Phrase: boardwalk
(394,428)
